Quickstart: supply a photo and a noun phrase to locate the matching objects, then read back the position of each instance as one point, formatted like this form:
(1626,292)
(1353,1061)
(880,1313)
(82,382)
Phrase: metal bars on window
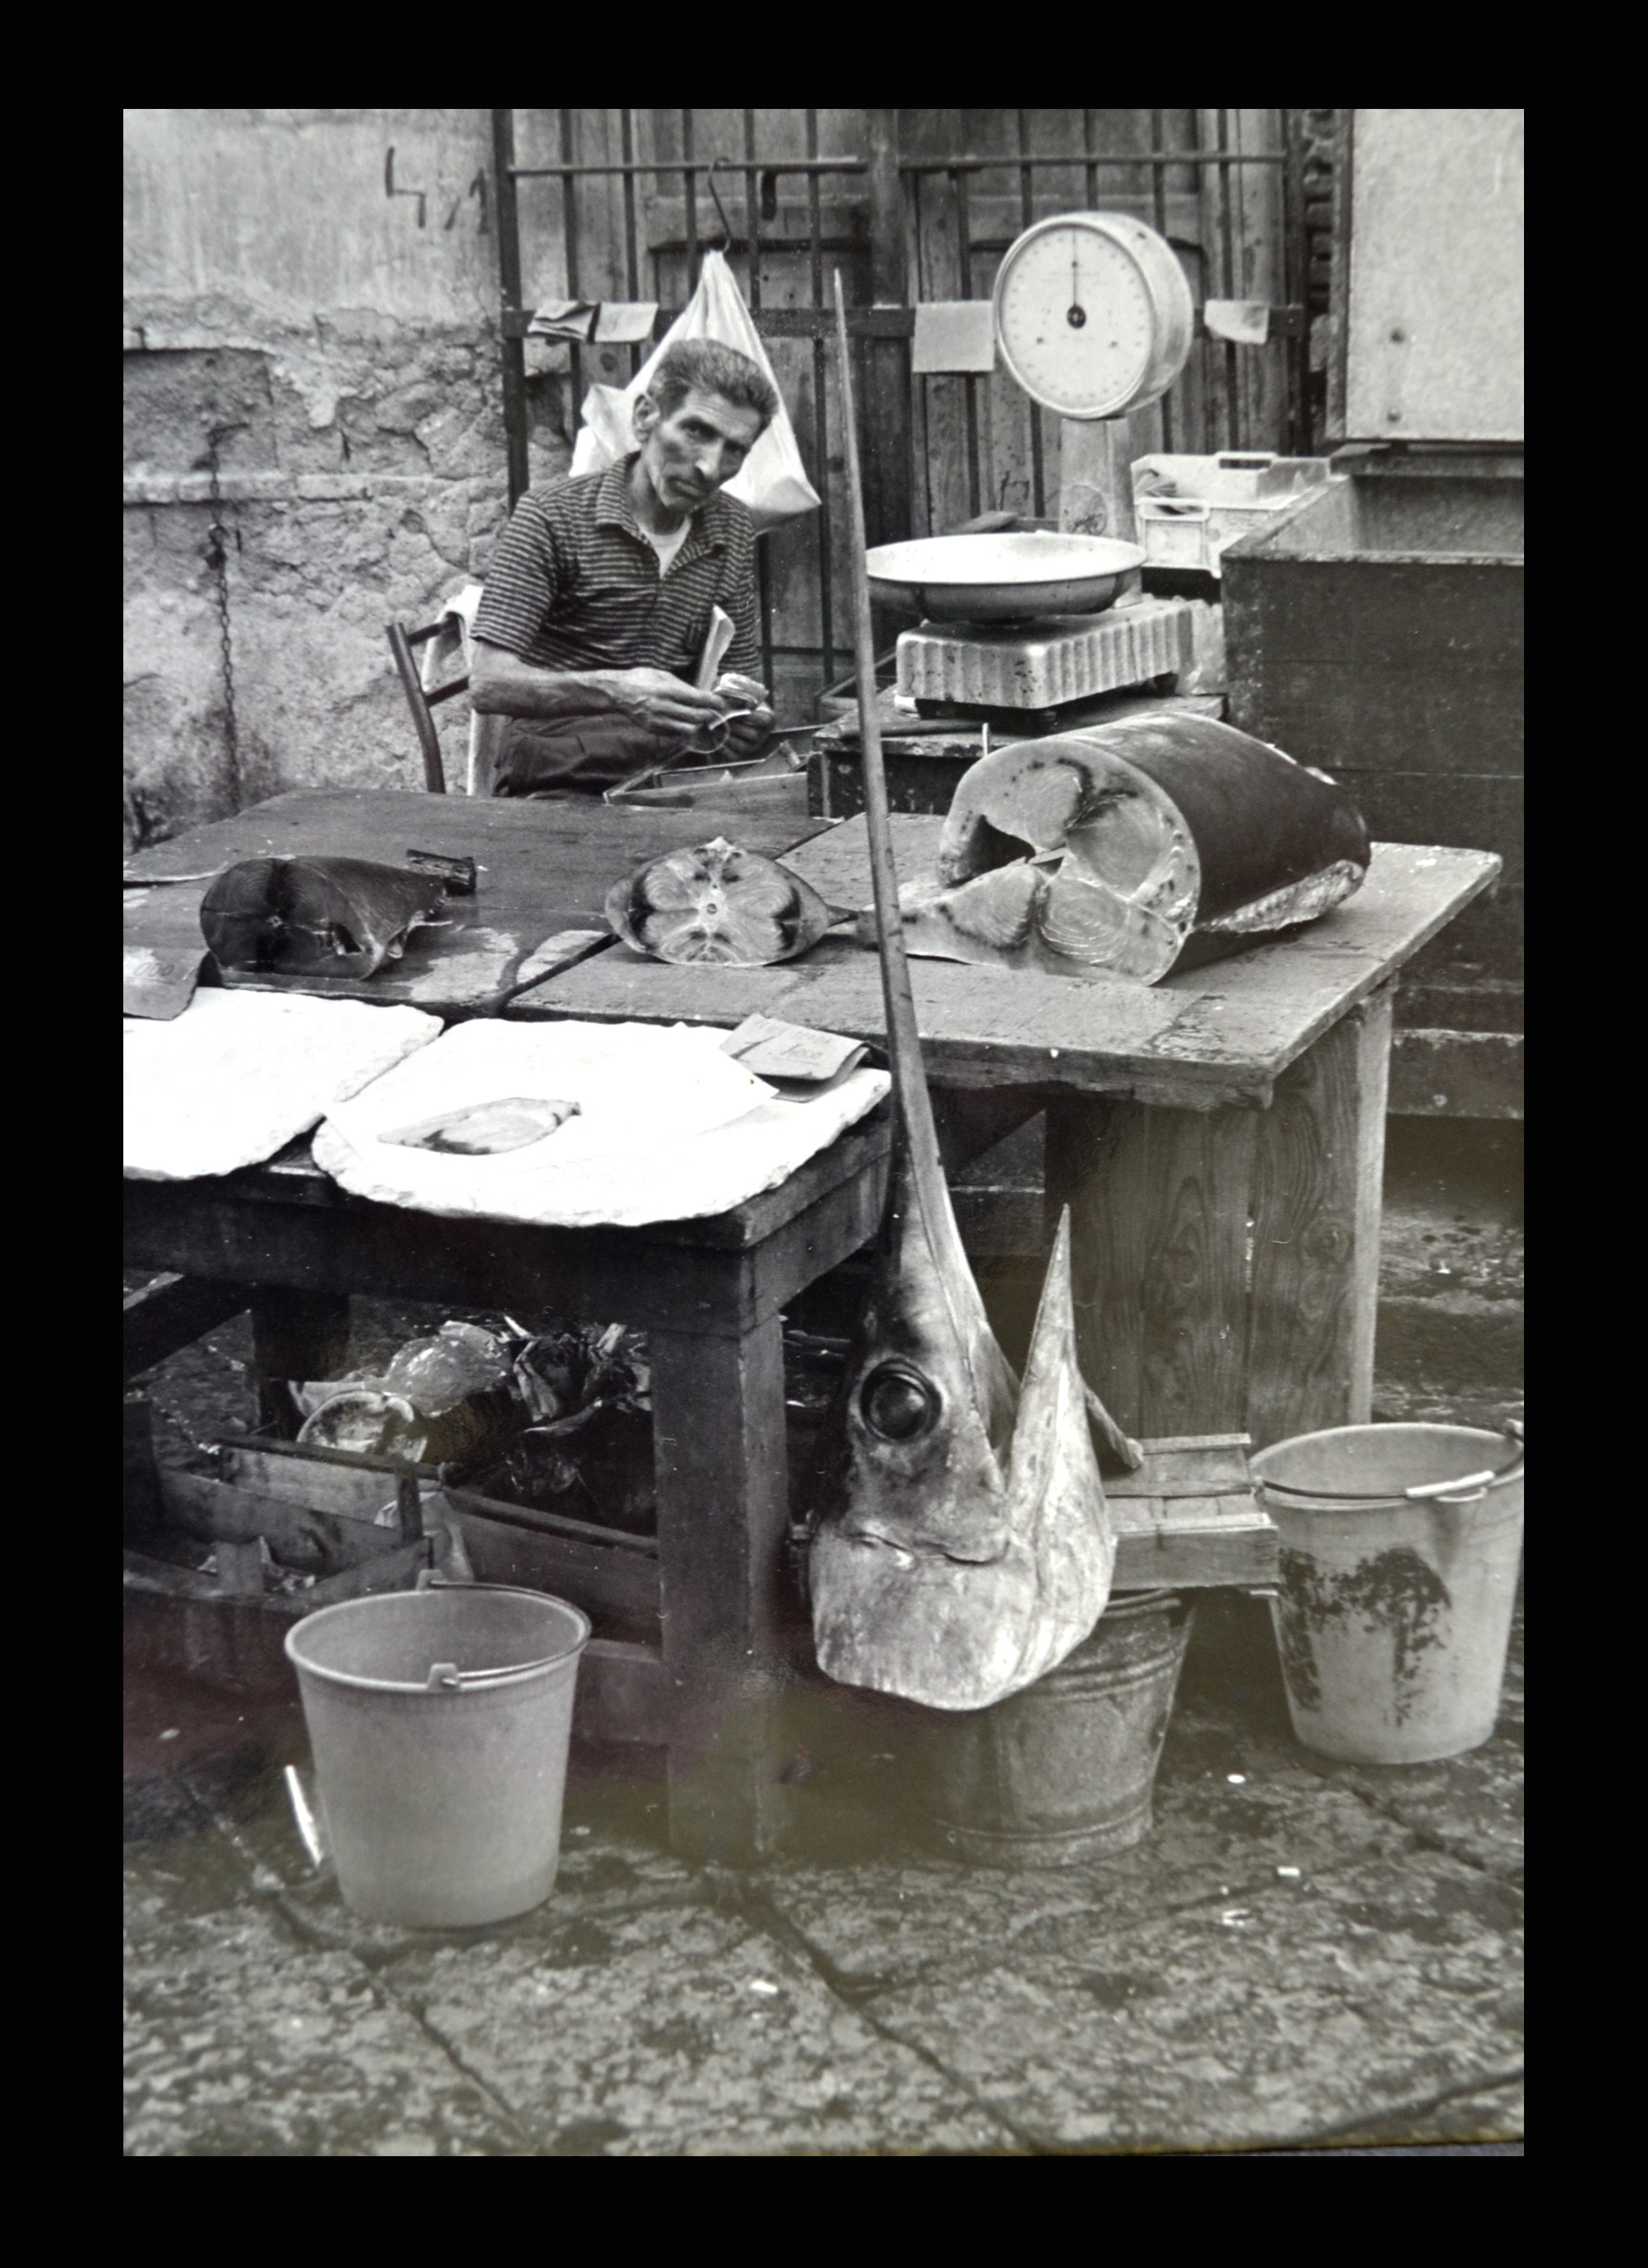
(1216,404)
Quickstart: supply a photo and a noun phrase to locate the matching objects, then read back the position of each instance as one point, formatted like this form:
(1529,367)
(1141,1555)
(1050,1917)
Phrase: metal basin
(1002,578)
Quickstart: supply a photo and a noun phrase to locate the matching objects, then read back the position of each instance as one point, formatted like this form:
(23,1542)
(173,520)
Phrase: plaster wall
(345,355)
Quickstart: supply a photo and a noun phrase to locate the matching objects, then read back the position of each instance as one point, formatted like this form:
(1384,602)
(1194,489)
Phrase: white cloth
(239,1074)
(669,1127)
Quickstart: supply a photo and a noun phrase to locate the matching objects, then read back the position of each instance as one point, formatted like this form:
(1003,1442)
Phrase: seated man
(599,593)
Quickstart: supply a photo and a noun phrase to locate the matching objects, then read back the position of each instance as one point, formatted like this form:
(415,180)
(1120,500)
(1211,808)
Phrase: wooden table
(725,1639)
(1219,1137)
(544,866)
(286,1241)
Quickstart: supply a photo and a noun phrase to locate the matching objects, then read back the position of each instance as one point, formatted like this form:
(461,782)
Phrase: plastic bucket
(439,1721)
(1065,1770)
(1400,1546)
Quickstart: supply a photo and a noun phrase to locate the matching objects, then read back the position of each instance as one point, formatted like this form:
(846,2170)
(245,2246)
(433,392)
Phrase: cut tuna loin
(1097,853)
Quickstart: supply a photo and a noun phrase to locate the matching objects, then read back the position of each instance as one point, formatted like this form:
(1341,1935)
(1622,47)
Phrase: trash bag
(773,485)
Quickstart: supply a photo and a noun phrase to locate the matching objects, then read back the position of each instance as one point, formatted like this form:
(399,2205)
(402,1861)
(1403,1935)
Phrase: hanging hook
(726,225)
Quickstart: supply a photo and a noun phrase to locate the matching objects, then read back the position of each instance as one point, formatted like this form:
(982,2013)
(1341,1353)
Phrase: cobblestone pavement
(1300,1954)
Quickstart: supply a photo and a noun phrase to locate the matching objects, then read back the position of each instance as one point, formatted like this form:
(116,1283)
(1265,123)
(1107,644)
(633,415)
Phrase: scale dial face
(1086,311)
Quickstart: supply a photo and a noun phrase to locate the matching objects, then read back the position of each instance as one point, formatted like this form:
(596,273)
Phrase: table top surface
(544,867)
(1219,1034)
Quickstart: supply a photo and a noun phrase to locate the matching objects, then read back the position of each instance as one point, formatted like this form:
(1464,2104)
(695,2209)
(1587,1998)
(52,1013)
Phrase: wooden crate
(1190,1519)
(1375,629)
(353,1527)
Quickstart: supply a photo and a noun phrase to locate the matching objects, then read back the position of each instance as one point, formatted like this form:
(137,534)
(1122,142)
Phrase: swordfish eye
(898,1403)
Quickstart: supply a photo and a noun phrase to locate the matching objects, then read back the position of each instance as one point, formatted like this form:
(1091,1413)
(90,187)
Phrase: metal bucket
(1065,1770)
(1400,1550)
(439,1720)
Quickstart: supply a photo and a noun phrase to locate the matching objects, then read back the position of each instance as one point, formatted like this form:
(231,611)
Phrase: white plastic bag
(773,485)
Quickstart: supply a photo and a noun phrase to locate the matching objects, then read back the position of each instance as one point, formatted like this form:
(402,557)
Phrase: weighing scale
(1093,318)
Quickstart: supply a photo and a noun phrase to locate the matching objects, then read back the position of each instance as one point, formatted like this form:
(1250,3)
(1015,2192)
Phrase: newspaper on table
(796,1061)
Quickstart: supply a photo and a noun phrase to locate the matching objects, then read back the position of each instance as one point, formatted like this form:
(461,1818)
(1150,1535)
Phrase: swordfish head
(973,1549)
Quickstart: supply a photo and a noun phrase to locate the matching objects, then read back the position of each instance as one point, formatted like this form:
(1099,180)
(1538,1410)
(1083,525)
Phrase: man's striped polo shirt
(573,583)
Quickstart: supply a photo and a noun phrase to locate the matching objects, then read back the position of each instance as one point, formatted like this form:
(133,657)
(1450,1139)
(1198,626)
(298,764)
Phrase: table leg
(1318,1196)
(294,1335)
(722,1471)
(1158,1233)
(1226,1264)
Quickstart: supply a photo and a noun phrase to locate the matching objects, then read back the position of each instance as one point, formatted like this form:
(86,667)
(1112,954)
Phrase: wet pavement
(1300,1954)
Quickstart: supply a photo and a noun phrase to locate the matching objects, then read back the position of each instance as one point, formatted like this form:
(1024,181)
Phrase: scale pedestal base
(1024,667)
(1095,478)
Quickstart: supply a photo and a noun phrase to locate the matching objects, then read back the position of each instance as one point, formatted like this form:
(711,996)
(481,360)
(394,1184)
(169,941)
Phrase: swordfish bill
(971,1547)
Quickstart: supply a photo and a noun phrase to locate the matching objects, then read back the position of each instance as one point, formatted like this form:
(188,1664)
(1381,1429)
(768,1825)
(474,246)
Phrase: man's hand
(744,734)
(662,702)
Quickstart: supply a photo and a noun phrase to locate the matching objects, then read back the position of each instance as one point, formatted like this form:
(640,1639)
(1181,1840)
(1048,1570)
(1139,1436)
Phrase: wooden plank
(389,1570)
(701,1276)
(1359,720)
(545,867)
(298,1535)
(294,1179)
(1368,612)
(1233,1548)
(723,1519)
(170,1313)
(1315,1205)
(836,861)
(1159,1202)
(367,1490)
(949,446)
(615,1584)
(1189,1516)
(1187,1465)
(885,392)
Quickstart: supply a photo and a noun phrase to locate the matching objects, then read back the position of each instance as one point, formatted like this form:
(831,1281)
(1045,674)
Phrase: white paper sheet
(238,1075)
(669,1128)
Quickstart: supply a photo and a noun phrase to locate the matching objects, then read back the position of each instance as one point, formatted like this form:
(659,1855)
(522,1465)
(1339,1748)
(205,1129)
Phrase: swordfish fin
(1055,1497)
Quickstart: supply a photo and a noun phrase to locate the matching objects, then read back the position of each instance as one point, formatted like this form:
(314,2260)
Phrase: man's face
(695,448)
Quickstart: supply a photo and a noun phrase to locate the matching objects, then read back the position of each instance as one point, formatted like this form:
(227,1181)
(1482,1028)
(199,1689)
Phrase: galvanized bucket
(1400,1550)
(1064,1770)
(440,1721)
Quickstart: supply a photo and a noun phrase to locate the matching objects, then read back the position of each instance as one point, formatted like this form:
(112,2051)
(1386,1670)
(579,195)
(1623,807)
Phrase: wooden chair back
(403,644)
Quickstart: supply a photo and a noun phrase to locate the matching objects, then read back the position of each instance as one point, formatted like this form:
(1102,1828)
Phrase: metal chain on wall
(218,564)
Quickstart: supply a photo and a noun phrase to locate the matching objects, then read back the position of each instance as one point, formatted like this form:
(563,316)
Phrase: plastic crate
(1187,509)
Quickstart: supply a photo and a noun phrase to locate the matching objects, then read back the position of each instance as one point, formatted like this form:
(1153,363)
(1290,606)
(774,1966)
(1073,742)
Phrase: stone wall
(344,357)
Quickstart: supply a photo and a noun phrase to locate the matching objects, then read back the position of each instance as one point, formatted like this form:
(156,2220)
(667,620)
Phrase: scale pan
(1002,578)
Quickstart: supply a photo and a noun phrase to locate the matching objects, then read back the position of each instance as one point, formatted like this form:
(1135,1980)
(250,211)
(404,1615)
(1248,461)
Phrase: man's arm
(501,684)
(526,579)
(748,736)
